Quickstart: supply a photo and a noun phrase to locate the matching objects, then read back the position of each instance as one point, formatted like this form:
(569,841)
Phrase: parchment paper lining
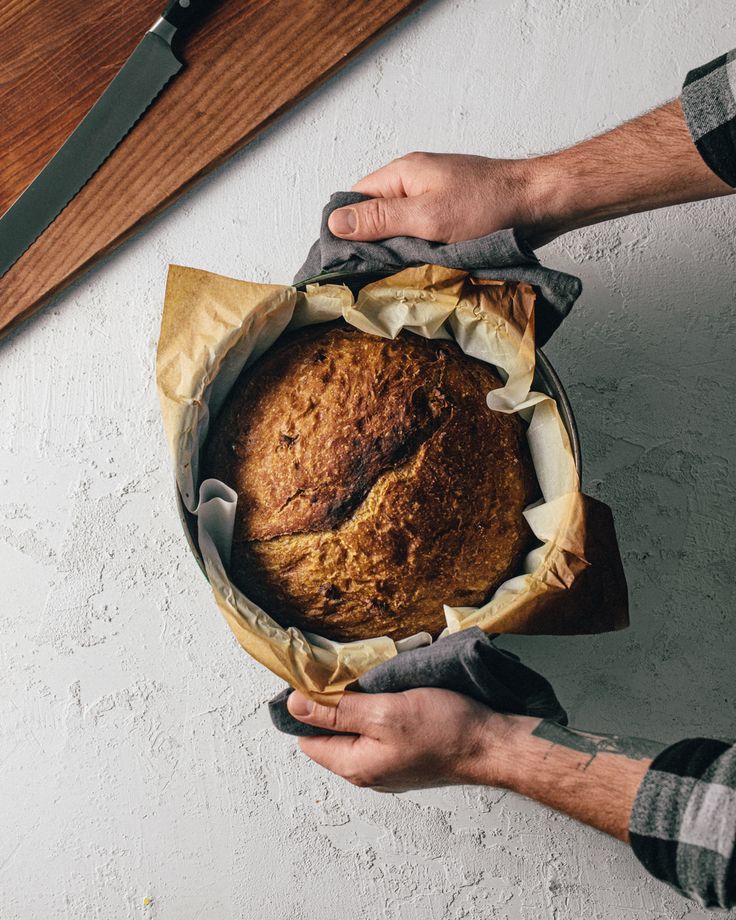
(213,327)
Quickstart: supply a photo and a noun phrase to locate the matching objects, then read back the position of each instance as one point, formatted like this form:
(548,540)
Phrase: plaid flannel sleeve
(709,103)
(683,823)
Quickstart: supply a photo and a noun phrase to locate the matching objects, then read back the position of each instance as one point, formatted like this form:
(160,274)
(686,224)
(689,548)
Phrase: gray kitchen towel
(502,255)
(467,662)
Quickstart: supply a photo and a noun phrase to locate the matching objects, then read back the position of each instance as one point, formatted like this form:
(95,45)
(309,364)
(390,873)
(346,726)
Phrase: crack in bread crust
(342,516)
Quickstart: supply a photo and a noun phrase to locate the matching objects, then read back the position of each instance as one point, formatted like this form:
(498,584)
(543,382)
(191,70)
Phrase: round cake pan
(545,381)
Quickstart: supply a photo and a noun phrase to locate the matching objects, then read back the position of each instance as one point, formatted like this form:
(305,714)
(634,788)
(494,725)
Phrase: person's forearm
(650,162)
(593,778)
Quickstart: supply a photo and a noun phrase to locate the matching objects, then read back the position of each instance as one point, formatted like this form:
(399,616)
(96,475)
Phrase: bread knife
(140,80)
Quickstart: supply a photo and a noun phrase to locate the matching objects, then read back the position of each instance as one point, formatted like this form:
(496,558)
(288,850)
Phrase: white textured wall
(136,757)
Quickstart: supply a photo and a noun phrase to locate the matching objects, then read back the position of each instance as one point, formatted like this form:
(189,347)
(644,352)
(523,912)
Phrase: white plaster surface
(136,757)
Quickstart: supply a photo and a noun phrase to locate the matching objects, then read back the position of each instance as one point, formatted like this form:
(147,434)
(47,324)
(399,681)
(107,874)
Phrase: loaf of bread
(374,483)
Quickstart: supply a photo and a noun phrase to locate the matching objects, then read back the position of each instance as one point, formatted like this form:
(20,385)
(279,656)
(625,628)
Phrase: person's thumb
(381,218)
(351,715)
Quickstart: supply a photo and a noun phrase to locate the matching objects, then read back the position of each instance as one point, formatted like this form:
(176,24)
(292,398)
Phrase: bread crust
(374,484)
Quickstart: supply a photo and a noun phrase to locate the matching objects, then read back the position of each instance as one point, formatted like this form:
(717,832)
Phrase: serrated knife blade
(140,80)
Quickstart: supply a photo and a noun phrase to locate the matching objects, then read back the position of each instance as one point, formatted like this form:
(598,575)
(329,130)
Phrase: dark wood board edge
(140,225)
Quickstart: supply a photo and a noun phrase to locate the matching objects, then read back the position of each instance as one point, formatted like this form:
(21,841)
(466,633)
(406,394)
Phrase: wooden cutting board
(246,64)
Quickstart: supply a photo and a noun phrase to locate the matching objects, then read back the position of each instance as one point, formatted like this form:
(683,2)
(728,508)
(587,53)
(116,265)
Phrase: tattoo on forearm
(586,743)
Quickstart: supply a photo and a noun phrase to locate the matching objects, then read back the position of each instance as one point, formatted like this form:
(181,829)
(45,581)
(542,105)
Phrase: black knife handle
(183,13)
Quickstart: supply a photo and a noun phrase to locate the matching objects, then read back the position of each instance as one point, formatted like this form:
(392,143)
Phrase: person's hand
(424,738)
(411,740)
(650,162)
(446,198)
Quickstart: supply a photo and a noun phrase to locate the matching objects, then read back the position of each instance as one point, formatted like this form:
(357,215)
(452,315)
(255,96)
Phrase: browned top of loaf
(374,484)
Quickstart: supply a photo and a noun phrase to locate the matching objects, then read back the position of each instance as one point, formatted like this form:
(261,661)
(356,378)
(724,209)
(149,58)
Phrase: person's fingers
(356,713)
(333,752)
(347,756)
(413,174)
(386,182)
(381,218)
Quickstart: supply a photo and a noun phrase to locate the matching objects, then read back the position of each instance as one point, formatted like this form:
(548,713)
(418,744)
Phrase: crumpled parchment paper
(213,327)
